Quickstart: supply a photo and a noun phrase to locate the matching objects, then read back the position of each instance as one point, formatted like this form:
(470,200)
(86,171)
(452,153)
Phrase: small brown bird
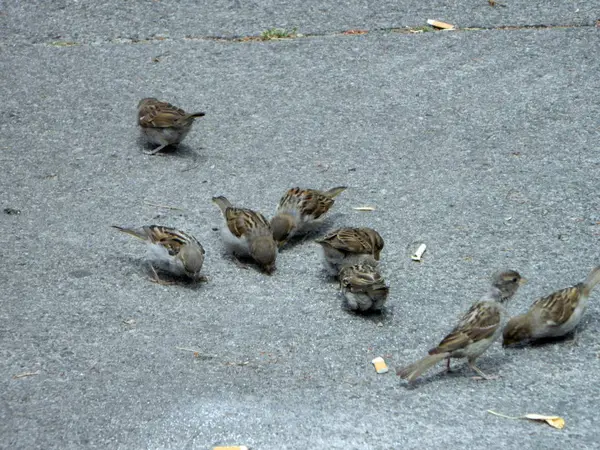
(555,315)
(299,211)
(349,246)
(164,124)
(171,250)
(475,332)
(363,287)
(247,233)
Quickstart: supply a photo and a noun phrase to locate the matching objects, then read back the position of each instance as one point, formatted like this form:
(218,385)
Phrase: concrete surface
(482,144)
(94,21)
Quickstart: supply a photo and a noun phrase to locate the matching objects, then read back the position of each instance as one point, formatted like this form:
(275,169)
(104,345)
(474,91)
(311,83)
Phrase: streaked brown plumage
(164,124)
(554,315)
(476,330)
(349,246)
(363,287)
(247,233)
(170,249)
(299,210)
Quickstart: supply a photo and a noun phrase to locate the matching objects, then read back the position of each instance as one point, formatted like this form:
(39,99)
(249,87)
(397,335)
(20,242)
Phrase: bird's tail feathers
(194,115)
(592,280)
(334,192)
(138,233)
(413,371)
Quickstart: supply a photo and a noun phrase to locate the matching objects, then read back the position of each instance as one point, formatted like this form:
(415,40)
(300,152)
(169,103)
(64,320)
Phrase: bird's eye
(515,280)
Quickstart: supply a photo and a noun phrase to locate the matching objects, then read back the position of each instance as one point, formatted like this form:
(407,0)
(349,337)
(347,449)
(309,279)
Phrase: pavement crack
(269,36)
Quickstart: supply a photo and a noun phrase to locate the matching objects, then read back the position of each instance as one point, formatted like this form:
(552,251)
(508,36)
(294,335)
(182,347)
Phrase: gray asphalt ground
(483,144)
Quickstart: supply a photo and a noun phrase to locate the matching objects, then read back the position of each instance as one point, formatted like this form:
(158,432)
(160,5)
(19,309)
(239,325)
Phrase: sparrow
(299,210)
(349,246)
(248,233)
(164,124)
(363,287)
(552,316)
(172,250)
(476,330)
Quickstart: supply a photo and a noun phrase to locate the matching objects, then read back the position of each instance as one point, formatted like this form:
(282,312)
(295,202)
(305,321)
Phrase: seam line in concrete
(350,32)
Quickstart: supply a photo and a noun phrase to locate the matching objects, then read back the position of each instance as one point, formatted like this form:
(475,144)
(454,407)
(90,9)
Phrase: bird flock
(351,255)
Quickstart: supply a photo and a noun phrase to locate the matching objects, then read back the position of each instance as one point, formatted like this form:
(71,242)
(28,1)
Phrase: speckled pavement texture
(481,143)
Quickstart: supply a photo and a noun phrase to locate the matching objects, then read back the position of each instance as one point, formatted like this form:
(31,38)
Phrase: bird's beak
(522,281)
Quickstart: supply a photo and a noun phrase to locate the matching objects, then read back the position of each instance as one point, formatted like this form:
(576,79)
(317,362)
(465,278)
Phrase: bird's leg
(448,369)
(239,263)
(202,278)
(156,150)
(573,340)
(157,279)
(482,376)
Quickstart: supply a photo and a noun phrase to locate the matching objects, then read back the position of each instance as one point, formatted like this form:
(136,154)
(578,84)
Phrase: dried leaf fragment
(553,421)
(441,25)
(355,32)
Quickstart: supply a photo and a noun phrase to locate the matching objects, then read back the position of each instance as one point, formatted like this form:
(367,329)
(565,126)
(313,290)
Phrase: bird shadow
(245,262)
(162,277)
(385,316)
(179,151)
(314,233)
(570,338)
(460,370)
(145,268)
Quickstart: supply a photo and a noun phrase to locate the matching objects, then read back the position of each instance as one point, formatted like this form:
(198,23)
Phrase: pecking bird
(247,233)
(164,124)
(349,246)
(301,210)
(363,287)
(171,250)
